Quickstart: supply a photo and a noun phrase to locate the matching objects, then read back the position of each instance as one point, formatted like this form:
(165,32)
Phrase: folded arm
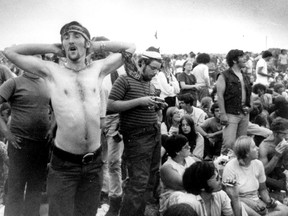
(23,56)
(113,61)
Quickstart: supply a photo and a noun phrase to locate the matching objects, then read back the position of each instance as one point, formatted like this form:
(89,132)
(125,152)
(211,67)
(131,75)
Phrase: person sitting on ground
(265,98)
(279,90)
(273,152)
(213,131)
(248,173)
(171,172)
(280,109)
(181,209)
(196,140)
(203,185)
(171,124)
(187,103)
(206,103)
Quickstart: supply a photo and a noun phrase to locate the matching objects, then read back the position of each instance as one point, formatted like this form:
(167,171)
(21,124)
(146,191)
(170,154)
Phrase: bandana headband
(77,29)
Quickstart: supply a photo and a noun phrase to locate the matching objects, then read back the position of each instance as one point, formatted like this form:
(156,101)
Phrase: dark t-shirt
(126,88)
(29,101)
(188,80)
(5,74)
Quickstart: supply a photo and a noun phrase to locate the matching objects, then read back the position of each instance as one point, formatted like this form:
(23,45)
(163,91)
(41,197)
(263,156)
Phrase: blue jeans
(74,189)
(27,168)
(112,153)
(142,156)
(237,127)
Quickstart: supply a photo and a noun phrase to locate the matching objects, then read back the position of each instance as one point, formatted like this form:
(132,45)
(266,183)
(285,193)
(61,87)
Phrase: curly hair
(233,55)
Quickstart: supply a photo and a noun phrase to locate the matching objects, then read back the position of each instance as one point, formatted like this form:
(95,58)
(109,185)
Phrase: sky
(212,26)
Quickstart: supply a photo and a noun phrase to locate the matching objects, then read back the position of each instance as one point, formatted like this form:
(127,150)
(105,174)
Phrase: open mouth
(72,48)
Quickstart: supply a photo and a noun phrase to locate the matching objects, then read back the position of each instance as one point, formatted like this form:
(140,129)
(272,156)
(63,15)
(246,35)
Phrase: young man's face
(74,45)
(241,61)
(150,70)
(217,113)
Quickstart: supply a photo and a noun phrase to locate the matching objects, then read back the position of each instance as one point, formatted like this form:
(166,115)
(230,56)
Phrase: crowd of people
(192,134)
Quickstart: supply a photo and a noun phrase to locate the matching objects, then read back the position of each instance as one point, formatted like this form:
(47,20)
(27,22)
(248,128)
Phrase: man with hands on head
(75,171)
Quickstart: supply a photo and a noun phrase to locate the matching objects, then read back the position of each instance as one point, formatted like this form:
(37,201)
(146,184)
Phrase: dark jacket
(233,93)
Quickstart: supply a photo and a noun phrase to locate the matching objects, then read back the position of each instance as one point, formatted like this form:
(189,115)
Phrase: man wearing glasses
(133,96)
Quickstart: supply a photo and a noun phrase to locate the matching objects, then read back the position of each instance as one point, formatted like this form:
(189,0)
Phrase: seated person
(197,114)
(181,209)
(171,124)
(213,131)
(280,109)
(274,155)
(195,139)
(265,98)
(205,105)
(171,172)
(248,173)
(204,192)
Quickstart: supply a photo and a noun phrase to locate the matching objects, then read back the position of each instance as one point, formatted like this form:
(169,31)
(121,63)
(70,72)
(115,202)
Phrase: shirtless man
(75,171)
(273,152)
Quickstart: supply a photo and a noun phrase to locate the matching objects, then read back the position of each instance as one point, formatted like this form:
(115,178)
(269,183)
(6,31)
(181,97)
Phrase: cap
(151,55)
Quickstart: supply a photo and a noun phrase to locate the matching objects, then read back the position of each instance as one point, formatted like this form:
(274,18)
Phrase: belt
(76,158)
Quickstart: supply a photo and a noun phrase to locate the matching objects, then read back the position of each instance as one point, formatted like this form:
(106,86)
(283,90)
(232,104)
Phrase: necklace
(75,70)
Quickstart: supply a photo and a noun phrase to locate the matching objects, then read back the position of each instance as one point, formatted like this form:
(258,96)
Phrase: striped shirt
(126,88)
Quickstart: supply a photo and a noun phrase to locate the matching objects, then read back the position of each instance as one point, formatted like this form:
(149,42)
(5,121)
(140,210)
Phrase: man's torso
(75,99)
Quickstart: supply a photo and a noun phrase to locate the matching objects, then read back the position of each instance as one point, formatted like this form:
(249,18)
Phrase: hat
(151,55)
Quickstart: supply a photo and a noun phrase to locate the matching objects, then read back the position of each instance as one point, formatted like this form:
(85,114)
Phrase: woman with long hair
(171,124)
(195,139)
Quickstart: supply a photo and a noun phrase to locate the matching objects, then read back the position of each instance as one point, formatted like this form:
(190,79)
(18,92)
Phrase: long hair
(169,117)
(192,136)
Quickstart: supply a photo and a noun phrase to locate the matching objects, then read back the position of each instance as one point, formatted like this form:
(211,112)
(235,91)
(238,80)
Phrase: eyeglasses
(154,68)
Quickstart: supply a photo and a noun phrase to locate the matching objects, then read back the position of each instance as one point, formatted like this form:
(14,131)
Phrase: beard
(73,56)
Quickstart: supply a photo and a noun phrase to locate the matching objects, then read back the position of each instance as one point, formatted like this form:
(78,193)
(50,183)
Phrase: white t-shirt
(262,79)
(283,59)
(201,72)
(248,178)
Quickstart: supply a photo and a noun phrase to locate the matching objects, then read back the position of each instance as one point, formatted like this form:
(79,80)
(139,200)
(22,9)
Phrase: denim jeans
(74,189)
(237,126)
(142,155)
(27,168)
(112,153)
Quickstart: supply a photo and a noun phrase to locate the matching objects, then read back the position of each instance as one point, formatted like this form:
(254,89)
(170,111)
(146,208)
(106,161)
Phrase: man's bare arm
(221,86)
(23,56)
(263,156)
(114,61)
(260,71)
